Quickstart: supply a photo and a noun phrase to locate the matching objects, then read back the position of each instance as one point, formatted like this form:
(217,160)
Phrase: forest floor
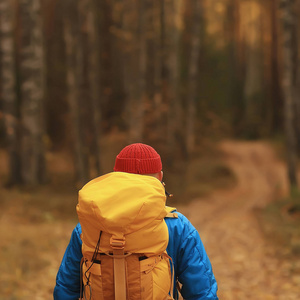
(250,260)
(247,262)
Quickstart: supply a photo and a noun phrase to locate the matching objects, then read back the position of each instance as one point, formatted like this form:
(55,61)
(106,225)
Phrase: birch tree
(8,84)
(32,93)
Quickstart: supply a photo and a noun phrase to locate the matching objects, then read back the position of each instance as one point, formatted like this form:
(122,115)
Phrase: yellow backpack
(124,238)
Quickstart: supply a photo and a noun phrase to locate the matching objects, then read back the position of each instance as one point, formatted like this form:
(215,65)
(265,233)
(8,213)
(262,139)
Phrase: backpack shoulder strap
(171,212)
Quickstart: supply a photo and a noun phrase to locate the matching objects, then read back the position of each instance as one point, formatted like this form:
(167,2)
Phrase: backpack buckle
(117,243)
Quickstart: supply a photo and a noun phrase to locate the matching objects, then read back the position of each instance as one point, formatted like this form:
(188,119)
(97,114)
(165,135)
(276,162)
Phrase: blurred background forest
(174,74)
(80,79)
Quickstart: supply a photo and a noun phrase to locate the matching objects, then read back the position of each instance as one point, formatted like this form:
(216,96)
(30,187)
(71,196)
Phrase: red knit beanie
(138,159)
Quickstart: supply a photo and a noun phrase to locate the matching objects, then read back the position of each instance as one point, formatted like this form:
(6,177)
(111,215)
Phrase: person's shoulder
(180,222)
(77,230)
(182,217)
(75,237)
(177,216)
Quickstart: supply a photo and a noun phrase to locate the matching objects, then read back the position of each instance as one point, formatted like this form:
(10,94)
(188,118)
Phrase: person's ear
(160,175)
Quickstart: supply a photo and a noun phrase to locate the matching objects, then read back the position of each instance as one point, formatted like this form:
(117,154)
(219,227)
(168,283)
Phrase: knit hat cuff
(138,166)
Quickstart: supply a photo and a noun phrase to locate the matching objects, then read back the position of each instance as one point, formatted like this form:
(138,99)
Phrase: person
(191,264)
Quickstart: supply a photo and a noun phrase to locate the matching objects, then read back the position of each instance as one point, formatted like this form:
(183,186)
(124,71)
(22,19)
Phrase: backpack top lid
(123,205)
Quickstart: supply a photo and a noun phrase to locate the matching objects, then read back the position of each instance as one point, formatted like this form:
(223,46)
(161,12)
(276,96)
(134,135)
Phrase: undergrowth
(280,222)
(197,177)
(200,176)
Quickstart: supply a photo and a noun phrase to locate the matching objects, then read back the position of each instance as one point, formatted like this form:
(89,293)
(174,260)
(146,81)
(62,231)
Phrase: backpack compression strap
(119,275)
(119,267)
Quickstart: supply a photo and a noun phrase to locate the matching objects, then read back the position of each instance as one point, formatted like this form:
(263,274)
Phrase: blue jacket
(191,263)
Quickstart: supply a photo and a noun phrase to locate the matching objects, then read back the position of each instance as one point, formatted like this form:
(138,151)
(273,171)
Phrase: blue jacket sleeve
(68,277)
(191,263)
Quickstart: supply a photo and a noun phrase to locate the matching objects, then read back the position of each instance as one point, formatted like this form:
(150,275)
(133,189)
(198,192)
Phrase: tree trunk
(32,93)
(90,40)
(152,52)
(288,84)
(253,91)
(157,56)
(276,93)
(113,16)
(74,71)
(193,73)
(139,105)
(134,67)
(9,96)
(171,80)
(237,63)
(297,110)
(172,40)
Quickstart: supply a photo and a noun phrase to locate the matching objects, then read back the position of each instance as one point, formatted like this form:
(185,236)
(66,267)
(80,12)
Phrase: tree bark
(32,93)
(276,93)
(134,67)
(158,108)
(193,76)
(237,63)
(9,96)
(138,107)
(152,53)
(297,72)
(90,40)
(288,84)
(253,85)
(113,16)
(74,73)
(171,80)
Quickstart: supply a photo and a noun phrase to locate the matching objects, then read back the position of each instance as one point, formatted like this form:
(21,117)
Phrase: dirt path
(244,264)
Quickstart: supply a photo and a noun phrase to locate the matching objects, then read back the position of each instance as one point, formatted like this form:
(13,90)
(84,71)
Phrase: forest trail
(244,262)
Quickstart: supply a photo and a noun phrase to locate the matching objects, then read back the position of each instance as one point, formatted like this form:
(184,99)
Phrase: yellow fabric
(147,265)
(95,283)
(130,208)
(93,268)
(161,279)
(122,204)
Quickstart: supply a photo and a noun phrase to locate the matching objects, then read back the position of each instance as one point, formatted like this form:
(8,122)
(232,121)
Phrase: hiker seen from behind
(128,244)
